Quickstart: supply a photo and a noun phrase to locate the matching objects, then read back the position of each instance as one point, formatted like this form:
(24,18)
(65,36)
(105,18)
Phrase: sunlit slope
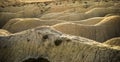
(35,0)
(16,2)
(53,46)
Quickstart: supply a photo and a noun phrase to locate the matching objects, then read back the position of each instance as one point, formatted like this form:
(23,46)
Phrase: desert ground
(60,31)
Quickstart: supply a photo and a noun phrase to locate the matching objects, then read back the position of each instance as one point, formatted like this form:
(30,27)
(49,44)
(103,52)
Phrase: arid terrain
(60,31)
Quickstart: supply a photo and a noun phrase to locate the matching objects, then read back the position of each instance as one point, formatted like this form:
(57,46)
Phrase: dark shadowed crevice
(45,37)
(58,42)
(28,40)
(68,40)
(39,59)
(5,46)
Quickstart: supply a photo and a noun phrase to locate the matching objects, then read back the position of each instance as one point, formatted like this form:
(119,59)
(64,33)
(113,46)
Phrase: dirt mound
(113,41)
(101,12)
(20,24)
(112,20)
(90,21)
(60,8)
(102,4)
(72,17)
(48,45)
(4,32)
(11,9)
(112,14)
(76,29)
(6,16)
(8,2)
(35,10)
(75,16)
(22,7)
(102,31)
(50,16)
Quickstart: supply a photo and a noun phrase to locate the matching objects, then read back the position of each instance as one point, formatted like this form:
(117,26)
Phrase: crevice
(45,37)
(39,59)
(58,42)
(28,40)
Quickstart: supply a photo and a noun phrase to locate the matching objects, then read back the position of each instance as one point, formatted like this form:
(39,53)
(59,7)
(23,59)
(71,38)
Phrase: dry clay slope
(44,44)
(102,31)
(113,41)
(4,32)
(20,24)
